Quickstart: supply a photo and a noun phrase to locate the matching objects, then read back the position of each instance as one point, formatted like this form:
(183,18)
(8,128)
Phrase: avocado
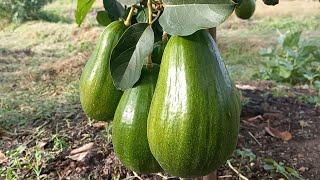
(194,116)
(98,96)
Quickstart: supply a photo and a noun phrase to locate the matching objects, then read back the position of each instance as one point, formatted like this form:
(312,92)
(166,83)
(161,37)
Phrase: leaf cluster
(147,20)
(292,61)
(287,172)
(21,10)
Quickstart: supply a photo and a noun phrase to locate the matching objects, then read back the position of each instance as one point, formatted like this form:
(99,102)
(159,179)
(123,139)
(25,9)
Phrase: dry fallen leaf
(3,158)
(272,116)
(303,124)
(79,156)
(42,144)
(252,119)
(284,135)
(99,125)
(83,148)
(246,87)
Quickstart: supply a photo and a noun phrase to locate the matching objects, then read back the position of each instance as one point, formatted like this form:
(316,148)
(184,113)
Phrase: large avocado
(193,121)
(99,98)
(129,131)
(245,9)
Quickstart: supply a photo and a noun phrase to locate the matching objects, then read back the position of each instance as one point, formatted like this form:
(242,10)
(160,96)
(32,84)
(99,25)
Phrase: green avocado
(245,9)
(98,96)
(194,116)
(129,130)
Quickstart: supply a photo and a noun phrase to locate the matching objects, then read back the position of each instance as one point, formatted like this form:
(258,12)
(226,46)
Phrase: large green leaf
(142,16)
(129,55)
(129,2)
(290,40)
(83,7)
(114,8)
(184,17)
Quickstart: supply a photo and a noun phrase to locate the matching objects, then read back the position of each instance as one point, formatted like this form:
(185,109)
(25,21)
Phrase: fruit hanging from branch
(99,98)
(192,124)
(193,121)
(245,9)
(129,130)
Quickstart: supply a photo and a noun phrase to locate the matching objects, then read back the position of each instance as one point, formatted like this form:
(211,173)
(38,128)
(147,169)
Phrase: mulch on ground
(95,159)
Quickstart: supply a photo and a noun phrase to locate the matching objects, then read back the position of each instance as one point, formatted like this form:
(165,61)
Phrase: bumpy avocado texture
(193,121)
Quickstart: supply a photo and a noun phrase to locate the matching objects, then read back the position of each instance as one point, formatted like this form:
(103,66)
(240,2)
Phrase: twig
(248,123)
(225,176)
(137,176)
(162,176)
(237,172)
(254,138)
(157,16)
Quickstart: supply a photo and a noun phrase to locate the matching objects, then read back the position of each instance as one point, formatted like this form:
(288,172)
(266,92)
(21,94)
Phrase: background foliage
(21,10)
(293,60)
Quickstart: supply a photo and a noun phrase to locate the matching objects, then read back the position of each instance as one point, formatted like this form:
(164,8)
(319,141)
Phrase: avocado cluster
(181,117)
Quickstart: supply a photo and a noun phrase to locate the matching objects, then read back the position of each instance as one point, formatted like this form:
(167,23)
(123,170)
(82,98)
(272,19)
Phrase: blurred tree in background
(21,10)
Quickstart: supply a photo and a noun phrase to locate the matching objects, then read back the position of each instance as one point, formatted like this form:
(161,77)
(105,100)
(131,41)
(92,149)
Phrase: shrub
(292,61)
(21,10)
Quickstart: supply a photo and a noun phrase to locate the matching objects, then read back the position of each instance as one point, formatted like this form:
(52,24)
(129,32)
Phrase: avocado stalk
(149,62)
(149,4)
(127,22)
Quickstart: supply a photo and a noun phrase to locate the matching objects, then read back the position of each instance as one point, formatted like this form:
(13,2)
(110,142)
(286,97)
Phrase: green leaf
(129,2)
(267,52)
(308,50)
(103,18)
(129,55)
(114,9)
(291,40)
(184,17)
(142,16)
(285,69)
(317,85)
(83,7)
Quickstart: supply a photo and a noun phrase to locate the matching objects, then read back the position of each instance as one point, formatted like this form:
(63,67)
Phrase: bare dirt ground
(298,149)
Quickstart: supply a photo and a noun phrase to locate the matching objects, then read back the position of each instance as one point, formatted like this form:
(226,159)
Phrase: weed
(274,167)
(292,61)
(246,153)
(59,142)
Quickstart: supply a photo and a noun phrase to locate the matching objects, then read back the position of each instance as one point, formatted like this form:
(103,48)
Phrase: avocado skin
(98,96)
(245,9)
(129,130)
(194,116)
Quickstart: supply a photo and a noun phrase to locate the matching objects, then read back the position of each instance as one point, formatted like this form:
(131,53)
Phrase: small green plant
(292,61)
(59,142)
(274,167)
(21,10)
(245,153)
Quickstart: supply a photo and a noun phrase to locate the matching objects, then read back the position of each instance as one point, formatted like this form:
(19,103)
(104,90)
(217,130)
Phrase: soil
(260,110)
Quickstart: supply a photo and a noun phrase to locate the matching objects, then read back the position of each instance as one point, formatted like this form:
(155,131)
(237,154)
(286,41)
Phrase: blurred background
(274,58)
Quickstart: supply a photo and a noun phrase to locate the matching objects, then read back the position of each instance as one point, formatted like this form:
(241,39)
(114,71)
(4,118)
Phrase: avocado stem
(149,64)
(149,4)
(127,22)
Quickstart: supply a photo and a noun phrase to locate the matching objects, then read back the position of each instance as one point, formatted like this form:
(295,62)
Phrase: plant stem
(149,12)
(149,62)
(158,14)
(129,17)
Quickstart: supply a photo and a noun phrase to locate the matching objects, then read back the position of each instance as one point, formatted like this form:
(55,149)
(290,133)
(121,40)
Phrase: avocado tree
(158,73)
